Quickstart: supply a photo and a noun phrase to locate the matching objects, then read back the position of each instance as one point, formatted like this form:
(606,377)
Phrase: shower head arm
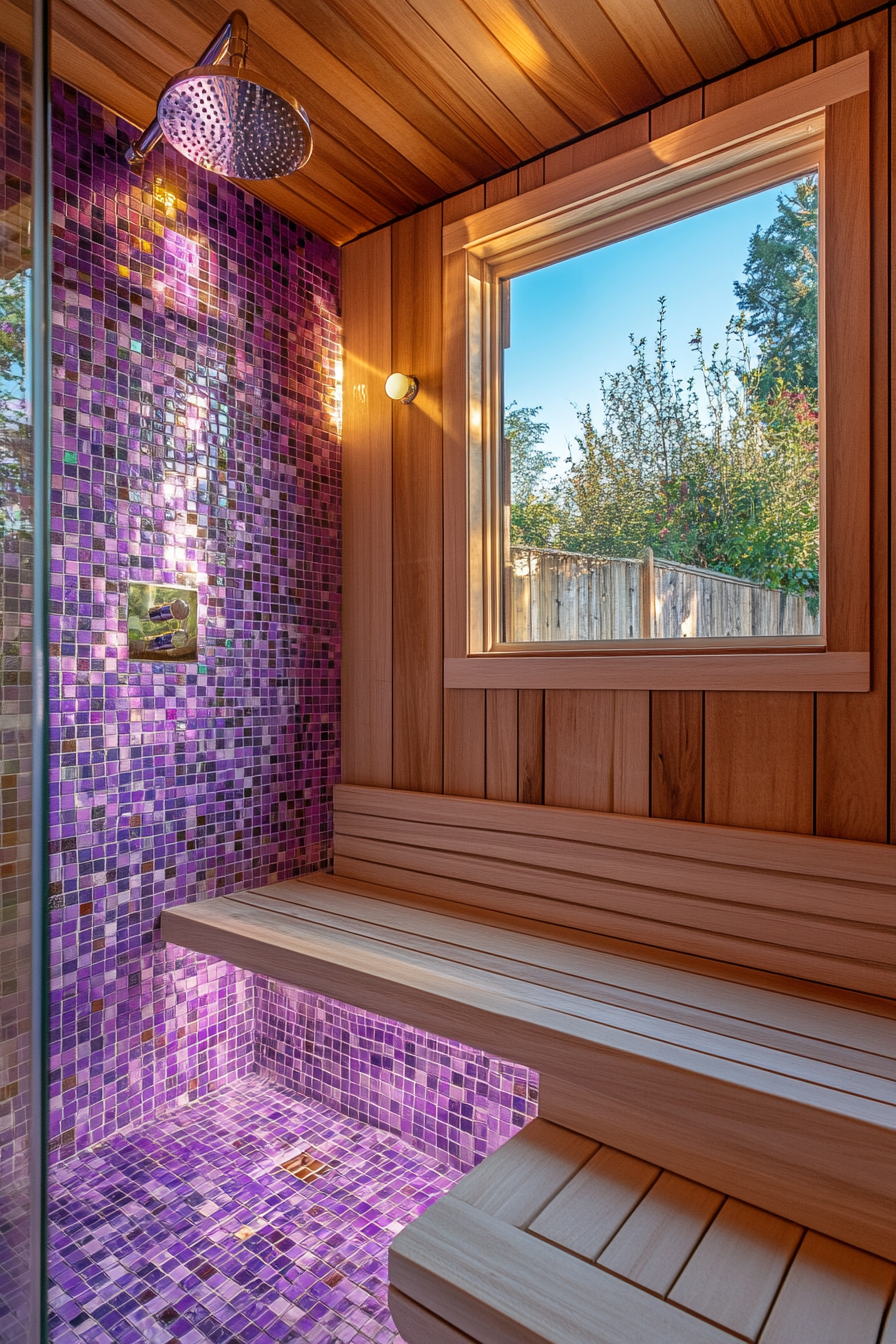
(231,40)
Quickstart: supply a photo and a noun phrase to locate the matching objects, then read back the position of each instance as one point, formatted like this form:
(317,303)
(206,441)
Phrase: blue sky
(570,322)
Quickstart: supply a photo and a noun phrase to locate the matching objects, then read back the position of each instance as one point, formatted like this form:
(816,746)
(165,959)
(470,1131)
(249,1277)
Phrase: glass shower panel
(22,771)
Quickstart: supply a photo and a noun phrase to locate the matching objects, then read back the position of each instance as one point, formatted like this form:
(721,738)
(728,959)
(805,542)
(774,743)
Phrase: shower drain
(305,1167)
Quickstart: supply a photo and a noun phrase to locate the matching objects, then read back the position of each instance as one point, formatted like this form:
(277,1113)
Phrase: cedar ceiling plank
(327,111)
(585,30)
(321,170)
(129,29)
(776,17)
(813,16)
(377,35)
(538,51)
(852,9)
(272,24)
(754,35)
(654,42)
(91,75)
(179,29)
(302,210)
(393,25)
(363,143)
(330,28)
(291,191)
(705,35)
(474,44)
(16,28)
(121,61)
(335,159)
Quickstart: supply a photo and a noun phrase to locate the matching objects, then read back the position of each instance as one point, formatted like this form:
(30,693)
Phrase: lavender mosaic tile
(195,342)
(447,1099)
(189,1229)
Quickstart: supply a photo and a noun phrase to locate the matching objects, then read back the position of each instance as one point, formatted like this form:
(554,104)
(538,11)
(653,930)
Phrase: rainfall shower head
(228,119)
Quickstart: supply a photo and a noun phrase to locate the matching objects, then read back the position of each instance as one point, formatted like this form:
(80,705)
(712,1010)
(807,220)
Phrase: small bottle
(174,639)
(170,611)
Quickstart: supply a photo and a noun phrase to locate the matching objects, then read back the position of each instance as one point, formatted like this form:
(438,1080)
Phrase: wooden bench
(556,1239)
(774,1091)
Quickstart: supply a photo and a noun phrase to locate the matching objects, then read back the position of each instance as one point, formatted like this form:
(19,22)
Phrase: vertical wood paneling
(597,750)
(676,776)
(851,780)
(502,188)
(531,175)
(417,505)
(464,769)
(759,759)
(604,145)
(631,753)
(578,749)
(609,751)
(756,79)
(675,114)
(530,784)
(773,785)
(501,745)
(367,514)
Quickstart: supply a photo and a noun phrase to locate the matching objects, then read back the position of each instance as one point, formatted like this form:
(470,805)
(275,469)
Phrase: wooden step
(556,1239)
(778,1092)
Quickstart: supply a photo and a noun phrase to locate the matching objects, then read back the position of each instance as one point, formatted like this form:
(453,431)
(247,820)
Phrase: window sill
(685,671)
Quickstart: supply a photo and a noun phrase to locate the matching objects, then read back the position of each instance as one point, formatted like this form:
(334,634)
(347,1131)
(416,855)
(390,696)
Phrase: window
(660,420)
(728,516)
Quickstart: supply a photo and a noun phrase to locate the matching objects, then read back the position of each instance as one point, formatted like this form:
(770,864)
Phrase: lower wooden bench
(776,1091)
(557,1239)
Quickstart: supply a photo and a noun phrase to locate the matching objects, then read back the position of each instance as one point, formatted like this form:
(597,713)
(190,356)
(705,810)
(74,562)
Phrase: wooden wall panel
(464,757)
(759,752)
(501,745)
(367,514)
(530,785)
(851,778)
(597,750)
(676,755)
(771,760)
(417,504)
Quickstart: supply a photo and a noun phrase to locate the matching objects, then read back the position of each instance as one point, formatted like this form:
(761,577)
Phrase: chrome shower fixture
(229,119)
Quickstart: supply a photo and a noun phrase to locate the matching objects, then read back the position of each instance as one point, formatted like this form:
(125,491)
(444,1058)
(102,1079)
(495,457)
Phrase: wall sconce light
(402,387)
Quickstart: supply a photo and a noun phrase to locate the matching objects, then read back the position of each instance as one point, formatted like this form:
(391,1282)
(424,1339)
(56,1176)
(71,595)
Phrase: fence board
(560,595)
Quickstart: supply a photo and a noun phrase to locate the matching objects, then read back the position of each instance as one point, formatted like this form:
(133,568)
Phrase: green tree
(727,480)
(533,499)
(779,293)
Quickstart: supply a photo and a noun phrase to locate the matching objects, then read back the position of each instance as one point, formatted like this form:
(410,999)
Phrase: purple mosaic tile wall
(448,1100)
(195,343)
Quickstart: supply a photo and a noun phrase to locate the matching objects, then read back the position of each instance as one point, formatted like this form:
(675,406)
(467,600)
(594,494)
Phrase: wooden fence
(560,595)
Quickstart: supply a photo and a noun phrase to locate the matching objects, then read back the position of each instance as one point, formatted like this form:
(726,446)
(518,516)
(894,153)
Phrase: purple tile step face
(447,1099)
(149,1229)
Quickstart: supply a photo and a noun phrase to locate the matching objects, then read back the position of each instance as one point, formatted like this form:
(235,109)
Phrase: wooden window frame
(821,120)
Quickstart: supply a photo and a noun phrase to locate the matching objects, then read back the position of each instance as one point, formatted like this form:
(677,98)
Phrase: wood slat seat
(557,1239)
(777,1092)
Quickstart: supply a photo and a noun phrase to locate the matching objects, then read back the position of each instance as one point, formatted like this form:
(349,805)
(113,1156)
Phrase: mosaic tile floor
(188,1230)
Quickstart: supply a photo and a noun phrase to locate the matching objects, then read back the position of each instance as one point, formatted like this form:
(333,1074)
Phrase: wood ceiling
(411,100)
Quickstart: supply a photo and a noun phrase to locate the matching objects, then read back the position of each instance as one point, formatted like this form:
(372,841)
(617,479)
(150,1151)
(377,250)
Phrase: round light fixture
(402,387)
